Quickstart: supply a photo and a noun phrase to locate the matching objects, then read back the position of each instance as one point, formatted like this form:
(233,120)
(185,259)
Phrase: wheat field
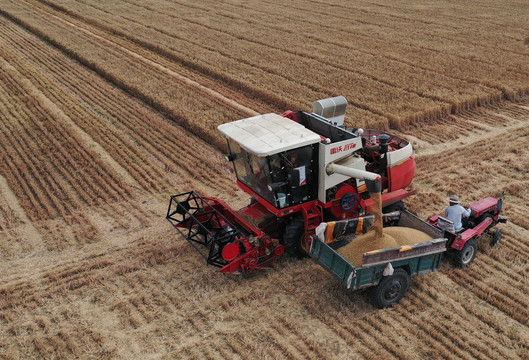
(108,108)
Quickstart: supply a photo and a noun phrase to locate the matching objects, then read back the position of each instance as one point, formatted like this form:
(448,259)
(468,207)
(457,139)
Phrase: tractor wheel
(465,256)
(391,289)
(496,237)
(292,238)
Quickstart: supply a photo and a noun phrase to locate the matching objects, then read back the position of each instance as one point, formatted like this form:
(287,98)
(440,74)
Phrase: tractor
(300,169)
(462,245)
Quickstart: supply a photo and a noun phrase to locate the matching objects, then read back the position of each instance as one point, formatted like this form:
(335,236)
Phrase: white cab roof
(268,134)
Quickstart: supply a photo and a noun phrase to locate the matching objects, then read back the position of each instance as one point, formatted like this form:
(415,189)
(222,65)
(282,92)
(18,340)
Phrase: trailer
(386,271)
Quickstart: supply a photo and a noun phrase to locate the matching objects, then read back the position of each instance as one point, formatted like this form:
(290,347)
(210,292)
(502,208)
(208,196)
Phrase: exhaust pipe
(383,141)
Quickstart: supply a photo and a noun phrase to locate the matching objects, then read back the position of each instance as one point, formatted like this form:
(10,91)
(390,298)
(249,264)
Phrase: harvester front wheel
(294,232)
(465,256)
(391,289)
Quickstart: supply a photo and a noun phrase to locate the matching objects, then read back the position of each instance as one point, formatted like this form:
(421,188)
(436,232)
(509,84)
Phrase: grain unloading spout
(373,182)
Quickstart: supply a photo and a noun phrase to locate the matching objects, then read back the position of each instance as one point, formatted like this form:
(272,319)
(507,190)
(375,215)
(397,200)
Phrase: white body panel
(332,109)
(397,156)
(268,134)
(329,153)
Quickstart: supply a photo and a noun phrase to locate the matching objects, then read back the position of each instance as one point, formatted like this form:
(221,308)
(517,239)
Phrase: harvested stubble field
(107,108)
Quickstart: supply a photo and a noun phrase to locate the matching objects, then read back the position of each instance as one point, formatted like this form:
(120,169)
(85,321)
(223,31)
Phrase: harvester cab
(275,159)
(300,169)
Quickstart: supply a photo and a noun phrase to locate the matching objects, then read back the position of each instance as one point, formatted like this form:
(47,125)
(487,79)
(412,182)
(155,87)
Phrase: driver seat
(445,224)
(448,225)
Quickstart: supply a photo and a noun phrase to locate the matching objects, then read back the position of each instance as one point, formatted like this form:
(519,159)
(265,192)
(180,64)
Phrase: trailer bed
(416,259)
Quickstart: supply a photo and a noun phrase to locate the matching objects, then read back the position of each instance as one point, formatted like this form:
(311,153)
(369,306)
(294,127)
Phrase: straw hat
(453,199)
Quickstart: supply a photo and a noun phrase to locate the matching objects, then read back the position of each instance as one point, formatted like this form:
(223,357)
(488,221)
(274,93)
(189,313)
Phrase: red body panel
(433,220)
(233,216)
(257,254)
(401,176)
(468,234)
(254,211)
(479,207)
(290,115)
(354,202)
(251,261)
(387,199)
(488,204)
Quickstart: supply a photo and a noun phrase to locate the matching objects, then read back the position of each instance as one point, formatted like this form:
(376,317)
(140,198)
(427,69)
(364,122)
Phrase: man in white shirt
(456,212)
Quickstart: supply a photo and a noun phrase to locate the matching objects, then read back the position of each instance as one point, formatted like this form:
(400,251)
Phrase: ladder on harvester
(312,215)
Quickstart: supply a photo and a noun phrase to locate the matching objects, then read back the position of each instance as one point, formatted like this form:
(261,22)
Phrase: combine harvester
(301,169)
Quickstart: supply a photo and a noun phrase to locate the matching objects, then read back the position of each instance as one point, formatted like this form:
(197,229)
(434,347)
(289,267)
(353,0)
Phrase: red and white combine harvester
(301,169)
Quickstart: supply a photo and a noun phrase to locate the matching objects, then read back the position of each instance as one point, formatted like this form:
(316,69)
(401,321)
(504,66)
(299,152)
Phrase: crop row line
(138,128)
(303,66)
(462,72)
(108,71)
(338,63)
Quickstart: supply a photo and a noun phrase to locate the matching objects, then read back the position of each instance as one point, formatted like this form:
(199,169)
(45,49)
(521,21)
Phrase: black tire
(465,256)
(292,238)
(496,237)
(391,289)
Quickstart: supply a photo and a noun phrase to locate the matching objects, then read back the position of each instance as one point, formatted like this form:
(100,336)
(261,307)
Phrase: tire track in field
(66,174)
(435,109)
(170,100)
(251,98)
(231,89)
(490,130)
(181,78)
(27,289)
(142,141)
(30,234)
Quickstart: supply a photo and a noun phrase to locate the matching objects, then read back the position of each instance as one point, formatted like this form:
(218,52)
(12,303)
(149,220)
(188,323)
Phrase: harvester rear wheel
(391,289)
(465,256)
(294,232)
